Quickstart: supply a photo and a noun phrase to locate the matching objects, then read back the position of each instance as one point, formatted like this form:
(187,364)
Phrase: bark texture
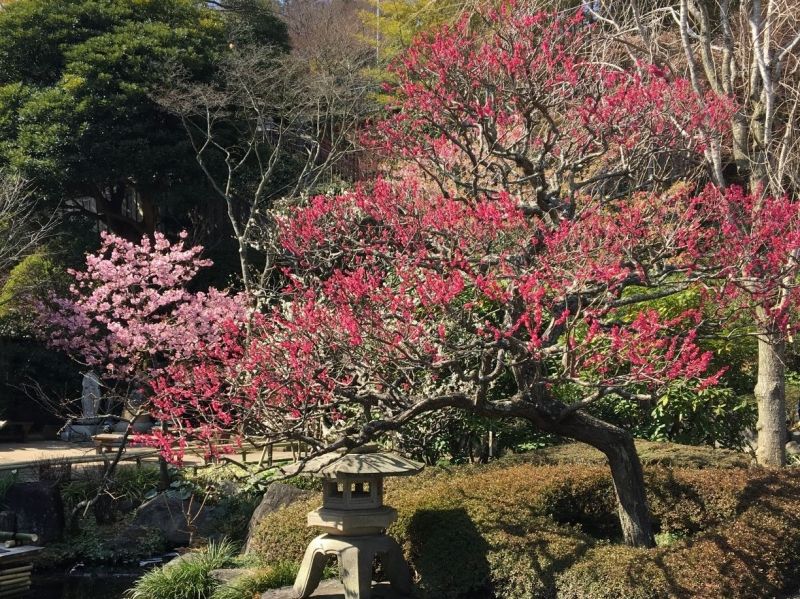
(770,392)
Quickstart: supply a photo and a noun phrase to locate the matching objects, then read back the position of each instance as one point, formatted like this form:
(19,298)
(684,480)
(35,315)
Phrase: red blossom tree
(402,302)
(755,257)
(555,218)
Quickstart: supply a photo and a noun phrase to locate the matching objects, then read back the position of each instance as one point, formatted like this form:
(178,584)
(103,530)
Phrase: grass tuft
(189,578)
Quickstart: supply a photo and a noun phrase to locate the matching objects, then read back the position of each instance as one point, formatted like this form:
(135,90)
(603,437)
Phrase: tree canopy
(77,114)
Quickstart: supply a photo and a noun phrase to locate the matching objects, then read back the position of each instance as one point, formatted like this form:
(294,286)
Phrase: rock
(188,557)
(226,575)
(276,496)
(210,523)
(793,448)
(38,507)
(169,514)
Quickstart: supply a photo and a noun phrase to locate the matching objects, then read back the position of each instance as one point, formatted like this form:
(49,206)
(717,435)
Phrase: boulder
(210,524)
(793,448)
(276,496)
(38,508)
(172,516)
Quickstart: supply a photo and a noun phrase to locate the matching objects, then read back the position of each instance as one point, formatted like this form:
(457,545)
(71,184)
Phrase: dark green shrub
(457,436)
(716,416)
(130,483)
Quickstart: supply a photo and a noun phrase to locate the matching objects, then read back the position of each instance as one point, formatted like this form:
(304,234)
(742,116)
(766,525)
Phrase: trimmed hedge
(749,556)
(651,453)
(525,530)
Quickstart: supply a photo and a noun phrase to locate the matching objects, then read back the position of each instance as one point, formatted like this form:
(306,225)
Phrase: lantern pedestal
(355,555)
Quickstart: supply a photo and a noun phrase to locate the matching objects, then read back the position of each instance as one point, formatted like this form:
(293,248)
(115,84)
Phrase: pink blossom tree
(129,313)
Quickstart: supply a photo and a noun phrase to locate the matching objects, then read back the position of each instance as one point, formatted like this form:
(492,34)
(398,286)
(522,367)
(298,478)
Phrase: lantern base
(355,555)
(371,521)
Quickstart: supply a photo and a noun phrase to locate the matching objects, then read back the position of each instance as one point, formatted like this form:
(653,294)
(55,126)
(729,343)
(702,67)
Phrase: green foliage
(397,22)
(254,22)
(232,515)
(457,436)
(711,416)
(6,481)
(78,82)
(523,530)
(32,274)
(189,578)
(130,482)
(684,414)
(95,544)
(665,539)
(734,347)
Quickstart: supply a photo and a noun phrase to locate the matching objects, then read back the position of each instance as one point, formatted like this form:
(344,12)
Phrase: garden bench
(107,442)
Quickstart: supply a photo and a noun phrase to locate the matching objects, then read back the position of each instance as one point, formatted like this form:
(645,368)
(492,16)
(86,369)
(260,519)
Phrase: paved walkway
(43,450)
(31,451)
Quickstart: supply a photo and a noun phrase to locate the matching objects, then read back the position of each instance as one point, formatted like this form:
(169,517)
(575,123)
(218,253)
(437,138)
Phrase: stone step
(333,589)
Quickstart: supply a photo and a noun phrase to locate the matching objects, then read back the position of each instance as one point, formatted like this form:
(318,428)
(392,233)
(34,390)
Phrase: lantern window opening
(361,490)
(334,489)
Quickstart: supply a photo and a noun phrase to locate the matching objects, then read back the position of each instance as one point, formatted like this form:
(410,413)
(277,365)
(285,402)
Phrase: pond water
(52,586)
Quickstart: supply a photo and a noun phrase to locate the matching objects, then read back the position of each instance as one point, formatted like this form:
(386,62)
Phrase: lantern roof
(361,461)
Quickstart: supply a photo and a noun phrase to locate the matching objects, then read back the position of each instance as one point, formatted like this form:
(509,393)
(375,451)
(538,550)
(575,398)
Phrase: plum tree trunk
(634,515)
(770,392)
(626,472)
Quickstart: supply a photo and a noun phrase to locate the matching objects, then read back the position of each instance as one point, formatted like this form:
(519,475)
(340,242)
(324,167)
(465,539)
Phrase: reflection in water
(79,587)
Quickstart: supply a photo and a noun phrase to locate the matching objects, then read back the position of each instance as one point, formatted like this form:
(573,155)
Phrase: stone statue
(90,394)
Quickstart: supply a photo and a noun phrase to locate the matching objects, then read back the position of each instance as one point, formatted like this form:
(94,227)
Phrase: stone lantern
(353,521)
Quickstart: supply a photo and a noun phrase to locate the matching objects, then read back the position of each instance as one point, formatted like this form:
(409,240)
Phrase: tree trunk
(616,443)
(626,472)
(149,214)
(770,394)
